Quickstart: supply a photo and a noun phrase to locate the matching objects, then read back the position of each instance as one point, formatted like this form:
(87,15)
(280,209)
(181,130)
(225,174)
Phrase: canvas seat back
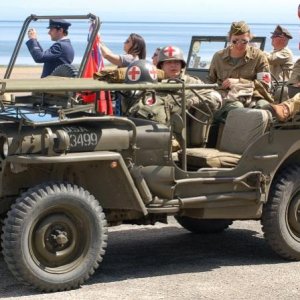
(243,126)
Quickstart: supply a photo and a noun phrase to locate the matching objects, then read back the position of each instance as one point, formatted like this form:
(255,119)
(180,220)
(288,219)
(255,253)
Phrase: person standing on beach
(61,52)
(281,58)
(134,48)
(242,72)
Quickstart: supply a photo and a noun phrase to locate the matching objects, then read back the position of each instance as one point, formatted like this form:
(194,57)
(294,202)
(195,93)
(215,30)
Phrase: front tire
(54,237)
(281,214)
(203,226)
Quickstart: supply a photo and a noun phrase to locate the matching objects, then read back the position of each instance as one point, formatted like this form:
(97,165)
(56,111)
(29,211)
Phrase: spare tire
(65,70)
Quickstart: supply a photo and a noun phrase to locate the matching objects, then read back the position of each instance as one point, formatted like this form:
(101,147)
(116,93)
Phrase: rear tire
(54,237)
(203,226)
(281,214)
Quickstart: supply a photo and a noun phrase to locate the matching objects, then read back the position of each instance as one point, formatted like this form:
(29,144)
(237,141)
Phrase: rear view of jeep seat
(242,127)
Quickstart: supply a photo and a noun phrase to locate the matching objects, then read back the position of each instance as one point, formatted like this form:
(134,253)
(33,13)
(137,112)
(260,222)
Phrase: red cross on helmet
(141,71)
(170,53)
(134,73)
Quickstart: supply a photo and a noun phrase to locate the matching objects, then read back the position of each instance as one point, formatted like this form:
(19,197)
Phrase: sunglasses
(127,41)
(276,36)
(242,41)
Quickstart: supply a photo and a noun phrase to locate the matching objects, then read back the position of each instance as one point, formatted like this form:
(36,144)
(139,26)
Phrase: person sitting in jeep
(281,57)
(159,106)
(242,71)
(287,109)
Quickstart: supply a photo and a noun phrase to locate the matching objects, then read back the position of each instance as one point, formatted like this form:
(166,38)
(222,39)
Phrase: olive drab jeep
(68,172)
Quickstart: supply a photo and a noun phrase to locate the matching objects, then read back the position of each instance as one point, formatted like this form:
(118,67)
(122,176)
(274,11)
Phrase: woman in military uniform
(239,69)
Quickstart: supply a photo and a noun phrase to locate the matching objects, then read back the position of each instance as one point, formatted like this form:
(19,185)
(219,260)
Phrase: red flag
(95,63)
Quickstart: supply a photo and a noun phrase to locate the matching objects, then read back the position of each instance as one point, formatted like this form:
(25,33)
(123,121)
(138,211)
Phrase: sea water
(113,34)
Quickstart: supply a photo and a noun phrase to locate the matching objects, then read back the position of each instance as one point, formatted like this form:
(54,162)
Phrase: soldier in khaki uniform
(160,105)
(281,58)
(171,61)
(160,109)
(287,109)
(240,67)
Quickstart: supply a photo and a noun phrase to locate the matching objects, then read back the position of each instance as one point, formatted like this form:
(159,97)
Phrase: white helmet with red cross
(170,53)
(141,71)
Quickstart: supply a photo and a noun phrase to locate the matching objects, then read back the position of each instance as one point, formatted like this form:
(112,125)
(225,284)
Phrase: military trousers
(221,115)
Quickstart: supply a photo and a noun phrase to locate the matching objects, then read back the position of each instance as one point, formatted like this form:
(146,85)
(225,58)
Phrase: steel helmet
(170,53)
(141,71)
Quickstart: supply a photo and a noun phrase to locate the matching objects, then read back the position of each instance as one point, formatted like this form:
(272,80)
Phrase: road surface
(167,262)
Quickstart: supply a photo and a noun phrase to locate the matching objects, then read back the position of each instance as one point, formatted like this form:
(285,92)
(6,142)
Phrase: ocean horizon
(113,34)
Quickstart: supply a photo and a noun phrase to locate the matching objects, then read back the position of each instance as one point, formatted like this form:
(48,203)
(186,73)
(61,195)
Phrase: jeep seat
(243,126)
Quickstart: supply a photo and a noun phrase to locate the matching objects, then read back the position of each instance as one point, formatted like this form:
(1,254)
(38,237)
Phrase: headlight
(3,147)
(61,141)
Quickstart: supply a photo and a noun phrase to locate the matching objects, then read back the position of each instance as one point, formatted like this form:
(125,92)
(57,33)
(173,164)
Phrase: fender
(103,173)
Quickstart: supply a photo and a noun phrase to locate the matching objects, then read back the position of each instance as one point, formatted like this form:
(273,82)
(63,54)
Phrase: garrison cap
(238,28)
(280,31)
(58,23)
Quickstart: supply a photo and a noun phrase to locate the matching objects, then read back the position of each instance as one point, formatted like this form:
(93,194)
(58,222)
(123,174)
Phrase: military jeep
(68,172)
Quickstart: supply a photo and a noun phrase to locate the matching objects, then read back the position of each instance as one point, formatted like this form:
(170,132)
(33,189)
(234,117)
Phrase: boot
(281,111)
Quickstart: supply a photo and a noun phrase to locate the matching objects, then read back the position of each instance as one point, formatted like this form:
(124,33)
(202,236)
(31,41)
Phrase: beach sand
(23,72)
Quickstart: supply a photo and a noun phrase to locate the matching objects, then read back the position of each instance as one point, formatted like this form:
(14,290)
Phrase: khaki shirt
(281,63)
(223,67)
(295,76)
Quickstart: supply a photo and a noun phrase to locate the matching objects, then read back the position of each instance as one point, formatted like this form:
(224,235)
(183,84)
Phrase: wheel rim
(293,216)
(59,239)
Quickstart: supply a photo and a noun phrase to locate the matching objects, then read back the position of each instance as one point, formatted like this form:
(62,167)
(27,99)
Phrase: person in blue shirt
(61,52)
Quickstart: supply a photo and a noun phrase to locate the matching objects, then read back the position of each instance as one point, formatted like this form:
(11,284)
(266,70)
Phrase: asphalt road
(167,262)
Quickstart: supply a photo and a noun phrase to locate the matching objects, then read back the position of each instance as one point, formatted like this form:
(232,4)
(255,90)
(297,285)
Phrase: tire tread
(11,234)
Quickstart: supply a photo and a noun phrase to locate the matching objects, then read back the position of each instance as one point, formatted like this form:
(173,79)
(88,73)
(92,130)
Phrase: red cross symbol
(134,73)
(150,101)
(170,51)
(153,73)
(266,78)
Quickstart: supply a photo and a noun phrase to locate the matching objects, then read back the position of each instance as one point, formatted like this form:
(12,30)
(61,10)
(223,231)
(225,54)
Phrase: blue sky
(260,11)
